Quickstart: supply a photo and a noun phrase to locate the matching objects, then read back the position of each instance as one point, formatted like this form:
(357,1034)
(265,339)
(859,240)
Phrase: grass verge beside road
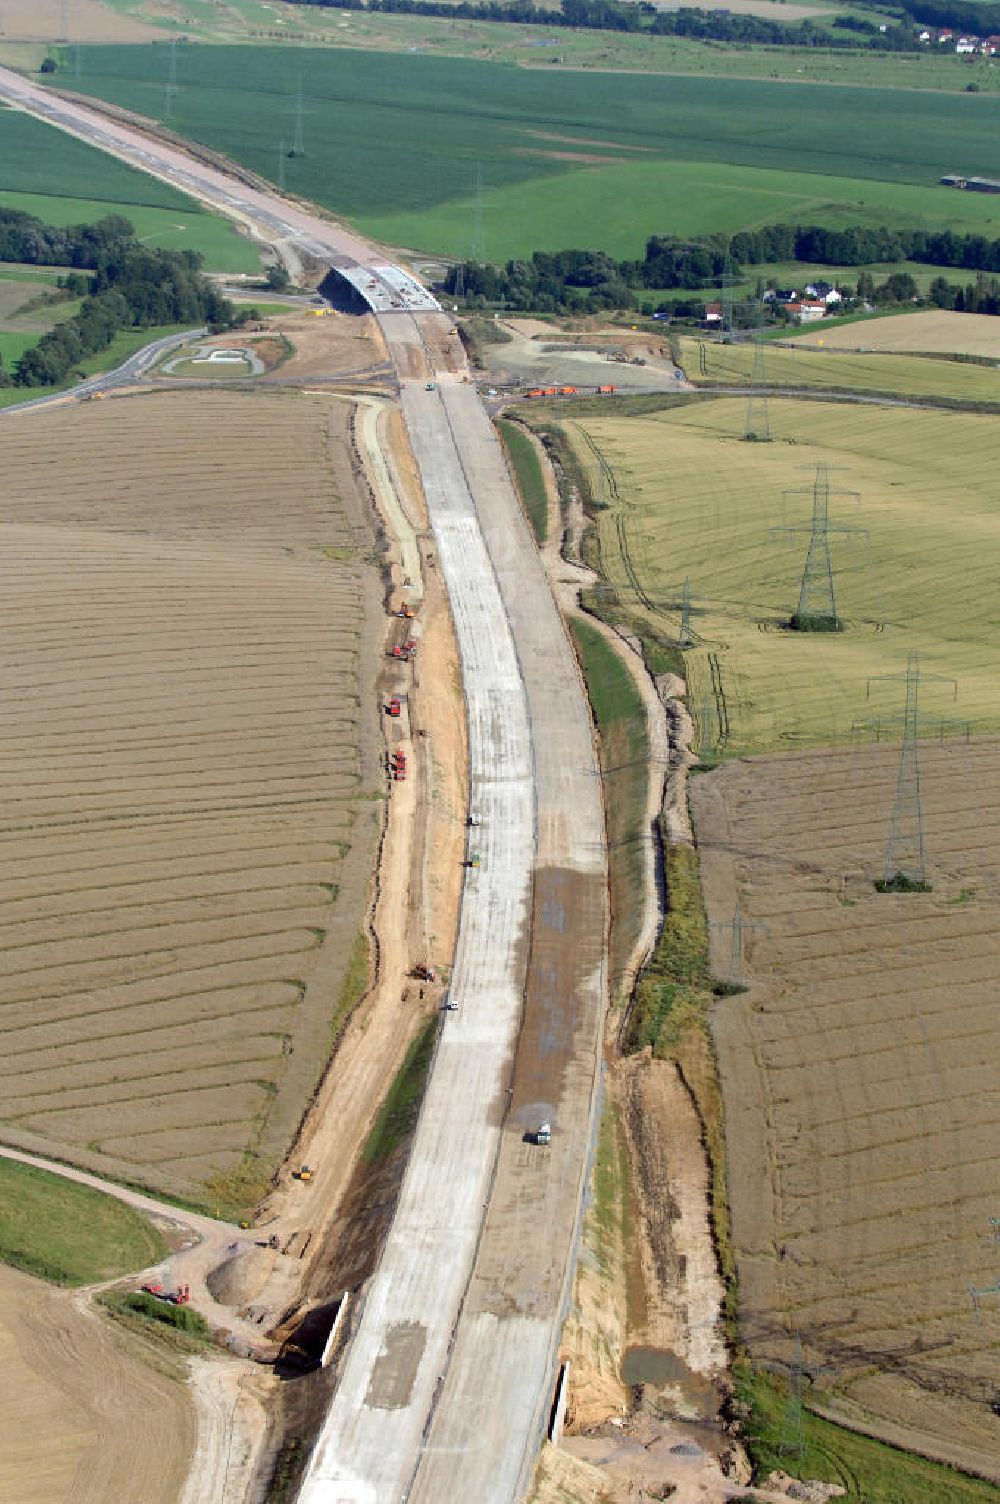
(398,1114)
(527,475)
(621,722)
(68,1233)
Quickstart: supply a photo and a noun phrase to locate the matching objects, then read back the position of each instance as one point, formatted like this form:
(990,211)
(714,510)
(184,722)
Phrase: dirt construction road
(469,1298)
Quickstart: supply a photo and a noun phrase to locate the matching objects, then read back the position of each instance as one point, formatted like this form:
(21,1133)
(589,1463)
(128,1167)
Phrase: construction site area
(485,1108)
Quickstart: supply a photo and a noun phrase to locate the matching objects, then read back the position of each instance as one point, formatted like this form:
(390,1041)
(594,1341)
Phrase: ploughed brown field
(859,1072)
(187,772)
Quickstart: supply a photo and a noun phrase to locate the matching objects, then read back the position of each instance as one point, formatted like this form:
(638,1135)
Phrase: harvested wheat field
(877,369)
(91,21)
(189,784)
(931,331)
(690,500)
(83,1419)
(860,1082)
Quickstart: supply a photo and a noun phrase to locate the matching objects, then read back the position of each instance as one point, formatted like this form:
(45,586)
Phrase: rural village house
(807,311)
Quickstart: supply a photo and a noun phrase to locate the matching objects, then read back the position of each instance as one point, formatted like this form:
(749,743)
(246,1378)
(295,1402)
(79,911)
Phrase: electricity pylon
(683,601)
(792,1441)
(976,1293)
(758,424)
(905,857)
(170,93)
(479,230)
(738,927)
(817,608)
(298,144)
(727,279)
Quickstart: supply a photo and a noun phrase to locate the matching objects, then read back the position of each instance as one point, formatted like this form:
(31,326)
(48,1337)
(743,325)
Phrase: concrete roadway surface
(447,1382)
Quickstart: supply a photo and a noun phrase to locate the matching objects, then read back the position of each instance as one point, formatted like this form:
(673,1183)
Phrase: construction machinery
(449,1005)
(393,706)
(542,1135)
(404,651)
(472,860)
(425,973)
(304,1173)
(179,1297)
(398,766)
(406,612)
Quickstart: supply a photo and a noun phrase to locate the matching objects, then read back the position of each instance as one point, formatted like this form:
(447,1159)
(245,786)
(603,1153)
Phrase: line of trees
(980,17)
(130,287)
(25,238)
(575,281)
(613,15)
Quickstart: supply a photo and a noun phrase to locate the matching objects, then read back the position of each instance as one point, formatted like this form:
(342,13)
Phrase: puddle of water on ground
(659,1367)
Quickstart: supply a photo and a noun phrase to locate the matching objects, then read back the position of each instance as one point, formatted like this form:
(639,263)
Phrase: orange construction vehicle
(407,651)
(604,391)
(567,391)
(179,1297)
(406,612)
(393,707)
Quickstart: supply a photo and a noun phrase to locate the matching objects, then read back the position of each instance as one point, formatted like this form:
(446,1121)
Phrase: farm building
(807,311)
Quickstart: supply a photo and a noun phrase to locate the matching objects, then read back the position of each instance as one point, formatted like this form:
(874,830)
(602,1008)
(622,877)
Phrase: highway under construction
(446,1385)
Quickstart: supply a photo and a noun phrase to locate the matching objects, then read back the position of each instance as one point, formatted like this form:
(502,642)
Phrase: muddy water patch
(660,1369)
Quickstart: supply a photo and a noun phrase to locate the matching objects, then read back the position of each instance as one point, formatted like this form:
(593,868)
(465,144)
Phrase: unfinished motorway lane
(446,1385)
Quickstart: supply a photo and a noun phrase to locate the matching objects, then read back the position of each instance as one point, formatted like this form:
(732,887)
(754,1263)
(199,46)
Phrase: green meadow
(396,143)
(82,184)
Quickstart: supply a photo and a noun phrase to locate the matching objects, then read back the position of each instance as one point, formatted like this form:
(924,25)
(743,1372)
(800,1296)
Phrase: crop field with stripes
(189,783)
(709,364)
(859,1073)
(686,498)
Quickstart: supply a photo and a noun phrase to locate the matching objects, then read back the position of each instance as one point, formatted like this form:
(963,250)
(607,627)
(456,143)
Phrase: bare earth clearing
(83,1421)
(863,1123)
(186,802)
(930,332)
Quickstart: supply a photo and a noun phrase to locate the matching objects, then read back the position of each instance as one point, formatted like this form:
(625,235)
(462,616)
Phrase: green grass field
(395,142)
(867,1470)
(251,21)
(621,721)
(899,375)
(69,1233)
(398,1114)
(83,184)
(528,475)
(694,501)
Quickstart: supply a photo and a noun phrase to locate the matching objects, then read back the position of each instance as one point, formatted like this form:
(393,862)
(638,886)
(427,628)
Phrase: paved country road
(445,1388)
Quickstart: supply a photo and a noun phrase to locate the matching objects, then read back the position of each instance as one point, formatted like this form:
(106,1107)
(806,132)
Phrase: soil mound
(241,1277)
